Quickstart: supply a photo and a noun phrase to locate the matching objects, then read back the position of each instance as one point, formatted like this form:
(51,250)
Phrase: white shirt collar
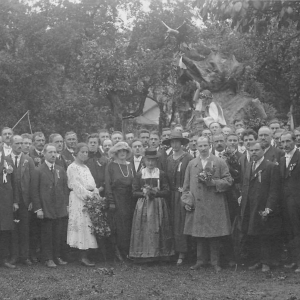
(267,149)
(217,153)
(137,158)
(70,150)
(38,152)
(14,155)
(49,164)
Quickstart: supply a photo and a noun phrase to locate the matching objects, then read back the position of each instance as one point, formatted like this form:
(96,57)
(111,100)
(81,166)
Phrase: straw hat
(120,146)
(176,135)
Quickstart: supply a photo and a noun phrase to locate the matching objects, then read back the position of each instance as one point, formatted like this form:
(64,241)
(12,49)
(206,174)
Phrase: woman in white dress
(83,186)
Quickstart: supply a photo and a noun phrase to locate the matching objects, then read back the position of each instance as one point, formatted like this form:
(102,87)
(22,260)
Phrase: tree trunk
(116,108)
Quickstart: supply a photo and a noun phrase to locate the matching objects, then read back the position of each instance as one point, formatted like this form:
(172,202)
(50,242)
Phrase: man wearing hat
(176,166)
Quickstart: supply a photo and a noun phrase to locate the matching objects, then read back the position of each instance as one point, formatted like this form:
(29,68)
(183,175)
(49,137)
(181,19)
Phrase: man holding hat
(176,166)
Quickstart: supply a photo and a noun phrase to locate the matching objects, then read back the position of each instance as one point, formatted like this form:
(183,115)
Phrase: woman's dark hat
(176,135)
(151,153)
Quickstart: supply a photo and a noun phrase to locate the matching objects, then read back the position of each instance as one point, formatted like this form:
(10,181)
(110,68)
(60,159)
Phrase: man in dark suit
(25,175)
(58,141)
(260,209)
(96,162)
(248,136)
(71,143)
(154,142)
(6,134)
(290,177)
(50,202)
(137,160)
(36,152)
(193,149)
(271,153)
(8,205)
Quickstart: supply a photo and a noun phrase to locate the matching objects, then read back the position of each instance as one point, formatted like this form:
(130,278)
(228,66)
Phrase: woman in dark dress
(118,189)
(176,166)
(151,235)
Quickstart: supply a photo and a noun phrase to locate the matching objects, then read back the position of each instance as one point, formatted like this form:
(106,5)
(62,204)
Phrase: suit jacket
(51,193)
(38,160)
(261,190)
(141,165)
(290,178)
(61,162)
(68,156)
(243,161)
(274,154)
(162,160)
(97,164)
(8,195)
(28,177)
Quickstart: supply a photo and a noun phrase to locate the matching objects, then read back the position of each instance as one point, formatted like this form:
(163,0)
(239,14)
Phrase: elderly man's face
(226,130)
(265,137)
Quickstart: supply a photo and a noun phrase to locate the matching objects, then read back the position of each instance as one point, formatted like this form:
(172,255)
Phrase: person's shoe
(265,268)
(27,262)
(297,270)
(254,267)
(290,266)
(50,264)
(60,262)
(197,266)
(217,269)
(9,265)
(87,263)
(179,262)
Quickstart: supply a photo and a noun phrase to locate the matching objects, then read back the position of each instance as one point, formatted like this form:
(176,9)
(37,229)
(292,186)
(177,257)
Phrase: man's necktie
(195,154)
(253,167)
(52,171)
(16,161)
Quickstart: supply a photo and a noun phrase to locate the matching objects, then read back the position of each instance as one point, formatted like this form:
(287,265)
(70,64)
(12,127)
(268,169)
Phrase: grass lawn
(144,282)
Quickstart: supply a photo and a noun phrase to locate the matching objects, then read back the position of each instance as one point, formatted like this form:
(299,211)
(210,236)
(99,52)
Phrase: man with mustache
(71,143)
(6,134)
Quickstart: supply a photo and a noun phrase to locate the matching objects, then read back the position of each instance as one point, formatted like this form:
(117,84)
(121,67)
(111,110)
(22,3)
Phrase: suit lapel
(48,172)
(22,165)
(259,168)
(56,171)
(294,160)
(283,167)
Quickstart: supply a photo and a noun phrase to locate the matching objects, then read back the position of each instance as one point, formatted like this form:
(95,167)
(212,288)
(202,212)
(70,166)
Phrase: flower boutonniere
(98,163)
(57,173)
(292,167)
(8,169)
(258,174)
(25,162)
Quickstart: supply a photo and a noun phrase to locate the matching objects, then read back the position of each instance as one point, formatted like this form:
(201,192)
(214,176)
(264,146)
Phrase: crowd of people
(228,192)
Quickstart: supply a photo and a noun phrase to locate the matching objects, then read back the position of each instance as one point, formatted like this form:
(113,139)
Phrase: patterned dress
(82,184)
(151,235)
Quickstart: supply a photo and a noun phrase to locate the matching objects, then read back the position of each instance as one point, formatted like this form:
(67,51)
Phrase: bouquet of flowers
(207,174)
(232,162)
(149,191)
(95,206)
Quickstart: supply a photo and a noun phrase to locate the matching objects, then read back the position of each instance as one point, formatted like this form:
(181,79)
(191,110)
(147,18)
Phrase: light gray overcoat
(211,216)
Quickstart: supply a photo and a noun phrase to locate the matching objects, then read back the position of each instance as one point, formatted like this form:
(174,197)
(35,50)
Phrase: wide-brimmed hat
(176,135)
(120,146)
(151,153)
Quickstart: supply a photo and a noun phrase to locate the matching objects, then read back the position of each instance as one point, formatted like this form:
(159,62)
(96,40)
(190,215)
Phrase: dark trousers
(35,234)
(64,246)
(294,249)
(20,235)
(206,246)
(51,233)
(261,247)
(5,237)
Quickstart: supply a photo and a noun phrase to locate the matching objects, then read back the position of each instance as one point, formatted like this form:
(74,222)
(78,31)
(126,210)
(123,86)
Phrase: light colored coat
(211,216)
